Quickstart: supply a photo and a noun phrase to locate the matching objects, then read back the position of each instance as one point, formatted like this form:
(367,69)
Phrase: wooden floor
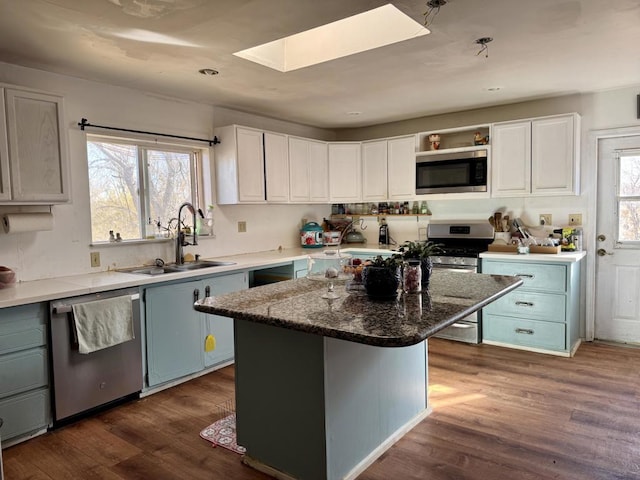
(498,414)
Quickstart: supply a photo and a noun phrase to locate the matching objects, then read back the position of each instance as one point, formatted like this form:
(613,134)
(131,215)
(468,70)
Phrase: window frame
(143,146)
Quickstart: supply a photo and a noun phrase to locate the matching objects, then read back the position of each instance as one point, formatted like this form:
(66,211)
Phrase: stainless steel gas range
(462,242)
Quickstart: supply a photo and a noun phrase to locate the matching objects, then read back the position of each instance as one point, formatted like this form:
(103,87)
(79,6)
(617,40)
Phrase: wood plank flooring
(498,414)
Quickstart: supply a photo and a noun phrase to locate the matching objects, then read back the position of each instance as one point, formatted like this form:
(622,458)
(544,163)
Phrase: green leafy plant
(392,262)
(419,250)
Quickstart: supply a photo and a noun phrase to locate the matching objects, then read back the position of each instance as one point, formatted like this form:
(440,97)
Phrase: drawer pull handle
(525,275)
(524,304)
(526,331)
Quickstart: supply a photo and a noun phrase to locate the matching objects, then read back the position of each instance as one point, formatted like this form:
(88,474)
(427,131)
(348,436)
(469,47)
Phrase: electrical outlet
(545,219)
(575,219)
(95,259)
(242,227)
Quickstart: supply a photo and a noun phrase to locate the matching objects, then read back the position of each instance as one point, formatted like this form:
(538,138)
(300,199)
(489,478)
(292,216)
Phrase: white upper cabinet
(389,169)
(511,159)
(33,148)
(250,159)
(536,157)
(318,172)
(308,171)
(374,170)
(345,172)
(276,154)
(555,156)
(401,168)
(251,166)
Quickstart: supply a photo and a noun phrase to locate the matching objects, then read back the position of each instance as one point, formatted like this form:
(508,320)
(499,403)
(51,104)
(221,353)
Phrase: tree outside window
(134,186)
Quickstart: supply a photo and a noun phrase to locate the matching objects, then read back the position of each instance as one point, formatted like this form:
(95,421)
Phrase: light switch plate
(242,227)
(575,219)
(545,219)
(95,259)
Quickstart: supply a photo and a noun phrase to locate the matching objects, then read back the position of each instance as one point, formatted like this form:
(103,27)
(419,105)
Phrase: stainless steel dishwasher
(83,382)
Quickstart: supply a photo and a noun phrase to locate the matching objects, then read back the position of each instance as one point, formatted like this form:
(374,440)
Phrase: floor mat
(223,433)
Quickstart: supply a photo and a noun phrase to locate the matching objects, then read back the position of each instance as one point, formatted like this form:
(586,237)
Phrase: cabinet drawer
(22,371)
(24,413)
(548,278)
(528,333)
(22,327)
(536,306)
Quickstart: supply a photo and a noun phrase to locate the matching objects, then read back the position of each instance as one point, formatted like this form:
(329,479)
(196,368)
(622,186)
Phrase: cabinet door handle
(526,331)
(196,295)
(525,275)
(207,291)
(524,304)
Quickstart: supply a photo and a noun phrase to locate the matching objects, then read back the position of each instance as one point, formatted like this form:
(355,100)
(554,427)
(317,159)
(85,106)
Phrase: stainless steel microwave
(452,172)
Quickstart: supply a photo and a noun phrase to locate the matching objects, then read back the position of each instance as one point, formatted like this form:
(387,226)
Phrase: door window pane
(629,176)
(629,221)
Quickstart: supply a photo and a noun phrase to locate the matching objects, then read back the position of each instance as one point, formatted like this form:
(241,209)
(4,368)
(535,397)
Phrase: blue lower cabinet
(24,371)
(173,331)
(24,413)
(541,315)
(218,328)
(180,340)
(525,332)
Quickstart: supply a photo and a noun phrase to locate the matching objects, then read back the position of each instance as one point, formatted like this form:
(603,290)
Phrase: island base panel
(317,408)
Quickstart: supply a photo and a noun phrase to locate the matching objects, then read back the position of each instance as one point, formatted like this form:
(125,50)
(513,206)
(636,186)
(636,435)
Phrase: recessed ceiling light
(368,30)
(208,71)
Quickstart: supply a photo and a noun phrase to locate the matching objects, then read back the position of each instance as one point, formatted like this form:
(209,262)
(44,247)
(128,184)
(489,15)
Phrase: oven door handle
(461,269)
(461,325)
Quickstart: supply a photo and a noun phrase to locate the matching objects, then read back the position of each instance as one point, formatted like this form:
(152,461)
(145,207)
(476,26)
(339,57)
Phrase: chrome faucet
(181,237)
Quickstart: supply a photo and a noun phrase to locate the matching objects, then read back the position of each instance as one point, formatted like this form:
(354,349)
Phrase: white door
(618,240)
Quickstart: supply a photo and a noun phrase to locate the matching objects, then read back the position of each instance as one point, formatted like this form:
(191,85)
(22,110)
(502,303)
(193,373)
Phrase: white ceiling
(541,48)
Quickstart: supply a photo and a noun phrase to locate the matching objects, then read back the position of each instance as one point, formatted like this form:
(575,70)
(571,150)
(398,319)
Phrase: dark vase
(381,282)
(427,265)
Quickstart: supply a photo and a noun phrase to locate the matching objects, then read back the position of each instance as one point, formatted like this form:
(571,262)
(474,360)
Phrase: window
(134,185)
(629,197)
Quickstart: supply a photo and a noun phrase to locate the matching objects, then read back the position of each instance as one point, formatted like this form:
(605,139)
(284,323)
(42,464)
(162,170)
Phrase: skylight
(372,29)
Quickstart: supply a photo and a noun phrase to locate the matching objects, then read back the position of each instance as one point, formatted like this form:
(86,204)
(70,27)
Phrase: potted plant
(421,251)
(381,277)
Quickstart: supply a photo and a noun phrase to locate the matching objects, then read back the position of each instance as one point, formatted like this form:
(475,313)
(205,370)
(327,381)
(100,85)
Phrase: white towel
(103,323)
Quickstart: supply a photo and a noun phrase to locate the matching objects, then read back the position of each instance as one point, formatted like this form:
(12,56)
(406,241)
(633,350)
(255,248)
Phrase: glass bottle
(412,276)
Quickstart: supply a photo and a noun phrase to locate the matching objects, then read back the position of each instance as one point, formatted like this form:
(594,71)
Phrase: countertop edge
(400,341)
(562,257)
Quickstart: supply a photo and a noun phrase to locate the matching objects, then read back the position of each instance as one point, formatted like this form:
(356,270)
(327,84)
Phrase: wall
(65,250)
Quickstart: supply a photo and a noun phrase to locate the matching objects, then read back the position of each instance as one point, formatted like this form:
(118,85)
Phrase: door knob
(602,252)
(601,238)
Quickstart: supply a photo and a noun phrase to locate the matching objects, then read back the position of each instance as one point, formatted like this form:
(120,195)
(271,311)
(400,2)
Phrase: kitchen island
(324,387)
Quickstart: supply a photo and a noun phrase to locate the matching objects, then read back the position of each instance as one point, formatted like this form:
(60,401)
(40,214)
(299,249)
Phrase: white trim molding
(591,184)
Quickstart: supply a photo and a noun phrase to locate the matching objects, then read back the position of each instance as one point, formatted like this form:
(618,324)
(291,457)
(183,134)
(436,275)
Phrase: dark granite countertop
(406,320)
